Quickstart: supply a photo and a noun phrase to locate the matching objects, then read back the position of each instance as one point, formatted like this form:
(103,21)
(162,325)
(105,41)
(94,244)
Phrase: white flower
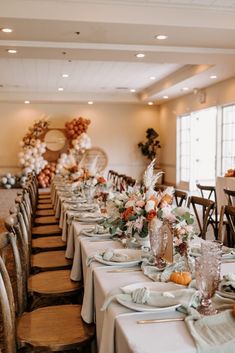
(167,213)
(130,203)
(118,202)
(180,211)
(150,205)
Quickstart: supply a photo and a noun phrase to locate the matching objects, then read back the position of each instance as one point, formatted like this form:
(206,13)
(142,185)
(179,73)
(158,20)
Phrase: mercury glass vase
(158,237)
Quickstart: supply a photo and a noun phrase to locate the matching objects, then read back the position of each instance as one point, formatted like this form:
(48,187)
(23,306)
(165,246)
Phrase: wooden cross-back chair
(47,329)
(209,192)
(203,209)
(180,197)
(45,286)
(48,226)
(230,195)
(227,214)
(49,255)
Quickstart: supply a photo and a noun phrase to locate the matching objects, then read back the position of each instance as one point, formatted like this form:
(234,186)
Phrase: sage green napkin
(212,334)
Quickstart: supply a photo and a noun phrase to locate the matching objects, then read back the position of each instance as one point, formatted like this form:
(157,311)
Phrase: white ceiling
(101,61)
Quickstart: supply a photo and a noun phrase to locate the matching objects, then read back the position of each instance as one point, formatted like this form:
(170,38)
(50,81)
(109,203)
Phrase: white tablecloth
(129,336)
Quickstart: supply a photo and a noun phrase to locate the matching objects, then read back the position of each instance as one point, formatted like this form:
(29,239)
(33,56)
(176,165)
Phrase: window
(183,133)
(196,148)
(227,138)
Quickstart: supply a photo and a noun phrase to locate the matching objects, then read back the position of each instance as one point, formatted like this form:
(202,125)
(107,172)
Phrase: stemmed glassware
(207,270)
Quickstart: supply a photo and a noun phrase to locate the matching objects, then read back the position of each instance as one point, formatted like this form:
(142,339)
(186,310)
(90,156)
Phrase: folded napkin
(212,334)
(229,254)
(227,286)
(186,297)
(96,229)
(95,215)
(83,207)
(109,254)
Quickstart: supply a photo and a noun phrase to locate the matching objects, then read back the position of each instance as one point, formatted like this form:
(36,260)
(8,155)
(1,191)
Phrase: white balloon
(12,181)
(4,180)
(26,170)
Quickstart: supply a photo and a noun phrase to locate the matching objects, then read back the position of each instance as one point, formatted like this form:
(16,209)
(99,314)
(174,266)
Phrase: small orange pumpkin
(181,278)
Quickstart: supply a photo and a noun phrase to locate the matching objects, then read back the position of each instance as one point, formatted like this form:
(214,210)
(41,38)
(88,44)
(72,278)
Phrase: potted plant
(150,147)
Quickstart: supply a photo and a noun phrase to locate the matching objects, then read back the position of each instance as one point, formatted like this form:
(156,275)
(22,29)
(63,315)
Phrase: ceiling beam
(171,80)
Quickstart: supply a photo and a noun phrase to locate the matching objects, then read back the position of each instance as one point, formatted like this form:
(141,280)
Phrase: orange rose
(151,214)
(127,213)
(101,180)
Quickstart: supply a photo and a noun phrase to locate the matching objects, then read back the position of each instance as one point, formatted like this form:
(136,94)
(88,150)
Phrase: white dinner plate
(135,258)
(125,299)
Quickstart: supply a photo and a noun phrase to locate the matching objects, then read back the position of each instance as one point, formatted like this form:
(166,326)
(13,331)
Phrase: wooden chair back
(7,299)
(180,197)
(203,209)
(230,195)
(13,224)
(209,192)
(227,213)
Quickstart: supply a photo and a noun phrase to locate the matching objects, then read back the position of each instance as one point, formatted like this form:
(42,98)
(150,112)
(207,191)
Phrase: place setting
(116,257)
(96,231)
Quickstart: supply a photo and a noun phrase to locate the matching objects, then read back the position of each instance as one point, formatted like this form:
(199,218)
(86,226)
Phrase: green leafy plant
(149,148)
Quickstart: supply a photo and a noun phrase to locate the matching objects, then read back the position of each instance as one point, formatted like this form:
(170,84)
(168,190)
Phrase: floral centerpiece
(139,206)
(133,212)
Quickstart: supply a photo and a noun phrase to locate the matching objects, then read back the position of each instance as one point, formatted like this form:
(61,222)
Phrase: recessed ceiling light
(165,97)
(152,77)
(161,36)
(150,103)
(90,102)
(213,77)
(7,30)
(60,89)
(133,90)
(12,51)
(140,55)
(26,102)
(185,89)
(65,75)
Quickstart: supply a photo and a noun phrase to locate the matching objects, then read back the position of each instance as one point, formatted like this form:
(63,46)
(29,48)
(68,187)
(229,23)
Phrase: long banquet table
(117,328)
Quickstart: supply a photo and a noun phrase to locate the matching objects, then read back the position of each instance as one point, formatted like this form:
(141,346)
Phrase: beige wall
(117,128)
(218,94)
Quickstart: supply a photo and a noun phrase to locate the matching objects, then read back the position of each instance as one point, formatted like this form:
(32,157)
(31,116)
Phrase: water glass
(207,271)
